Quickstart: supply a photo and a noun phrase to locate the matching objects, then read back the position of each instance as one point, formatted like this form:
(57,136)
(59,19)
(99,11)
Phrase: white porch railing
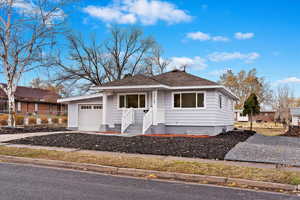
(148,120)
(127,119)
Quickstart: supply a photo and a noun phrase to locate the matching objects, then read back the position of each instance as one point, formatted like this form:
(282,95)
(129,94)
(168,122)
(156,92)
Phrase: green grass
(138,162)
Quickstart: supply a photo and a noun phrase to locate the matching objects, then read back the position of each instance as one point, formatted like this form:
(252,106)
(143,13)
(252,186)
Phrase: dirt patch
(294,131)
(211,148)
(6,130)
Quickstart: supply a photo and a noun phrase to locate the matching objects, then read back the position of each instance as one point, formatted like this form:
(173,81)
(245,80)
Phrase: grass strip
(188,167)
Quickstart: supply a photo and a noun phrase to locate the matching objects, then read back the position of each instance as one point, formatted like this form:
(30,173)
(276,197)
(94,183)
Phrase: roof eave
(78,98)
(168,87)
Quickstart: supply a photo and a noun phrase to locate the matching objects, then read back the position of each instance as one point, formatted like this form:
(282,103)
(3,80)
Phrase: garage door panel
(90,117)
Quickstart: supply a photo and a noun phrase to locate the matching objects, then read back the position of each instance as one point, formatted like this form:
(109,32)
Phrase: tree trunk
(11,108)
(251,121)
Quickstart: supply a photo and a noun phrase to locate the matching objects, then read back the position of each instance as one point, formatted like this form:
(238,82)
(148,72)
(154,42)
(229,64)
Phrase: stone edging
(148,173)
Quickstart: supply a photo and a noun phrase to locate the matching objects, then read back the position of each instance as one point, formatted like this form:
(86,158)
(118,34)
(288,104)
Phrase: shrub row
(20,120)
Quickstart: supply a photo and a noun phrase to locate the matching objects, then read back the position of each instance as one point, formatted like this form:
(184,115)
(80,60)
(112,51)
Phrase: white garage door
(90,117)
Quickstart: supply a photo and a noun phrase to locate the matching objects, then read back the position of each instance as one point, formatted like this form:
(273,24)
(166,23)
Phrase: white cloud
(196,63)
(243,36)
(290,80)
(147,12)
(220,39)
(225,56)
(198,36)
(30,9)
(205,36)
(110,14)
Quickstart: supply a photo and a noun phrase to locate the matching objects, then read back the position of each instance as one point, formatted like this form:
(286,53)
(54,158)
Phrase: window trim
(196,92)
(134,93)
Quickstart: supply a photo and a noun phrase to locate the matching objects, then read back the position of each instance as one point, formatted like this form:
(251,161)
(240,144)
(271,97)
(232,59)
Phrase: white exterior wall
(240,118)
(72,115)
(115,114)
(224,115)
(73,110)
(211,115)
(295,120)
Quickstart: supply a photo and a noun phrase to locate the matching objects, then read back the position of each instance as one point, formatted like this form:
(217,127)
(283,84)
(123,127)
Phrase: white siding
(212,115)
(116,113)
(72,115)
(295,120)
(73,110)
(224,115)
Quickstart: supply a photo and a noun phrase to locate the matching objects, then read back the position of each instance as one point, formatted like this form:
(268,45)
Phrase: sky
(210,36)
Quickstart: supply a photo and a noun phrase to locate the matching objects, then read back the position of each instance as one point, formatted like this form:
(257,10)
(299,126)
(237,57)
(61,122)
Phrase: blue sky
(209,35)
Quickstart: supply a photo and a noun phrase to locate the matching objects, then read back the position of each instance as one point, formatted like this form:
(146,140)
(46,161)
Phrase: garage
(89,117)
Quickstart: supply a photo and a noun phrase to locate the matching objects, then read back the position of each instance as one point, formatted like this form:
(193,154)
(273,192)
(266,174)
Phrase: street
(36,183)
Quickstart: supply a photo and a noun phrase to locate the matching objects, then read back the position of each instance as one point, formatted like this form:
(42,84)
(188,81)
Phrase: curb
(148,173)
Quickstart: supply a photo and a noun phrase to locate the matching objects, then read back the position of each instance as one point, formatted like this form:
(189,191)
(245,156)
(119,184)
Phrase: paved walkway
(268,149)
(8,137)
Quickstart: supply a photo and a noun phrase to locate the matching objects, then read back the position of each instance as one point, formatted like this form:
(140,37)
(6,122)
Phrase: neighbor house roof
(295,111)
(33,95)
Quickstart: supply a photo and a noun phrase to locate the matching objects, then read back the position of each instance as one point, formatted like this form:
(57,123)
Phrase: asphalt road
(39,183)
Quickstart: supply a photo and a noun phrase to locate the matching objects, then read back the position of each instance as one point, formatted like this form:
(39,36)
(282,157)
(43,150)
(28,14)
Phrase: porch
(133,112)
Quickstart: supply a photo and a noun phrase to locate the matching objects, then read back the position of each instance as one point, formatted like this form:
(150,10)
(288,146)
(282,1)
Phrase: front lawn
(148,163)
(212,148)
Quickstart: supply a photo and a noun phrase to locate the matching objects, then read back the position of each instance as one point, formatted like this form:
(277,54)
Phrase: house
(174,102)
(239,117)
(295,112)
(33,101)
(267,114)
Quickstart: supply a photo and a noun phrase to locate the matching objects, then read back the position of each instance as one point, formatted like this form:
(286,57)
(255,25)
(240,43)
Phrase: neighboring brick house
(267,114)
(34,101)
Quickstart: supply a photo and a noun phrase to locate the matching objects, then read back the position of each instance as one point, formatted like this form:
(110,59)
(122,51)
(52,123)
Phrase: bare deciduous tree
(27,29)
(244,83)
(125,52)
(283,101)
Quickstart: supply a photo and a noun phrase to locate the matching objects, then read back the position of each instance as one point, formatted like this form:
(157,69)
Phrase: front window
(188,100)
(132,101)
(220,101)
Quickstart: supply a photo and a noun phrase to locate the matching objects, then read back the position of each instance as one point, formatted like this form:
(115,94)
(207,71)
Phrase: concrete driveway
(268,149)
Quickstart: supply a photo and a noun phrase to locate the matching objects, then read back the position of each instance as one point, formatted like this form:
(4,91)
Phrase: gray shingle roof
(172,78)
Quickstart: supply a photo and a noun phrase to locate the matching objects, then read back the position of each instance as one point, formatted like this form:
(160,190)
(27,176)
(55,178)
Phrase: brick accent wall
(43,108)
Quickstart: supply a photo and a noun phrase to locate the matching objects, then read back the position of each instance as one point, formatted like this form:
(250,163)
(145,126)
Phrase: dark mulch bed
(9,130)
(211,148)
(294,131)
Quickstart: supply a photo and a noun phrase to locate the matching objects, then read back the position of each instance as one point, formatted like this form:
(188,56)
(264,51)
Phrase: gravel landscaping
(211,148)
(294,131)
(7,130)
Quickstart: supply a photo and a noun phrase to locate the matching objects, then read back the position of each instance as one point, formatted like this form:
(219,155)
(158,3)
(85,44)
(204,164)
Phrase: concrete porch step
(135,129)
